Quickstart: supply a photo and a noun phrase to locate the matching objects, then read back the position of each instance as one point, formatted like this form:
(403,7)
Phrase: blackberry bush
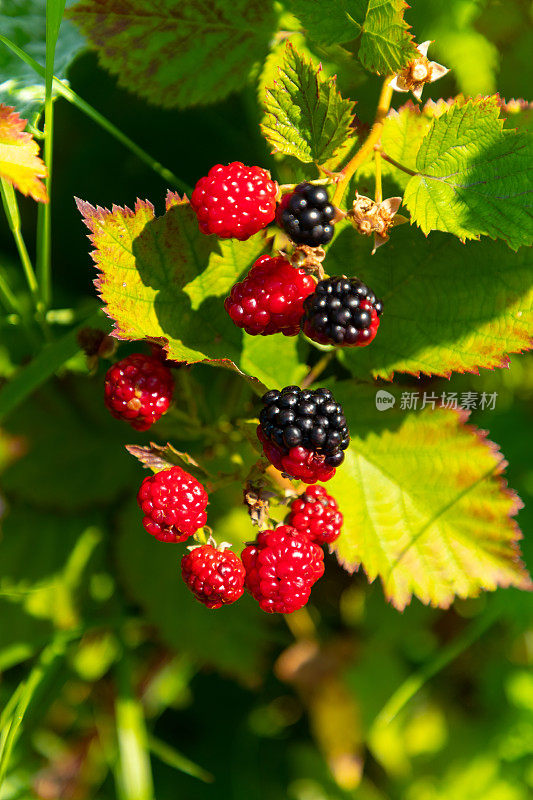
(100,628)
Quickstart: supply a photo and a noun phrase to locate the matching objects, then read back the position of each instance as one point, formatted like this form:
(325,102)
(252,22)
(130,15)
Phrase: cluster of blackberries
(341,311)
(307,216)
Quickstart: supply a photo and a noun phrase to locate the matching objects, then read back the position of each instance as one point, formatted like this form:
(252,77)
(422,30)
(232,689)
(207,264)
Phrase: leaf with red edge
(447,307)
(426,508)
(163,280)
(19,156)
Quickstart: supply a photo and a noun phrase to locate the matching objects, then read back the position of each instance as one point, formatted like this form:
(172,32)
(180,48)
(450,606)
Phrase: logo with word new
(384,400)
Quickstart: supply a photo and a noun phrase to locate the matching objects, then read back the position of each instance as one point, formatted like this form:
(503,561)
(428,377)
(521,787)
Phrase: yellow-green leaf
(426,508)
(161,279)
(475,177)
(19,156)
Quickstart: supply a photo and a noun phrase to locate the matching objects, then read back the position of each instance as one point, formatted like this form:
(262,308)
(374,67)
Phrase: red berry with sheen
(139,390)
(315,514)
(281,568)
(215,577)
(270,298)
(173,503)
(235,201)
(297,462)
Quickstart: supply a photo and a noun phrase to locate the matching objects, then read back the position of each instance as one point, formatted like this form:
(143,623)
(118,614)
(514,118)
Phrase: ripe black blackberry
(309,419)
(306,215)
(342,311)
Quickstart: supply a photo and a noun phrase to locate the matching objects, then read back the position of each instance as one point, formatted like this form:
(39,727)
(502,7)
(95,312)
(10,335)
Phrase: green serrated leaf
(384,44)
(475,177)
(426,509)
(162,279)
(178,53)
(305,115)
(24,23)
(447,306)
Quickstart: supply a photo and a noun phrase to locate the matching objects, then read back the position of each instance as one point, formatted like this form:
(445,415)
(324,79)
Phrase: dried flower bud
(417,73)
(369,217)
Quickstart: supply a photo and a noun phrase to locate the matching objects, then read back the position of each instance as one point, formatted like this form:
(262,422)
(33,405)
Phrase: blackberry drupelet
(309,419)
(306,215)
(342,311)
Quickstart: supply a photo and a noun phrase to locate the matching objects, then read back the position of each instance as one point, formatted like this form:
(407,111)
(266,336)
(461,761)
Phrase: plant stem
(397,164)
(44,666)
(11,208)
(410,687)
(44,214)
(373,138)
(134,773)
(379,190)
(67,93)
(9,300)
(317,370)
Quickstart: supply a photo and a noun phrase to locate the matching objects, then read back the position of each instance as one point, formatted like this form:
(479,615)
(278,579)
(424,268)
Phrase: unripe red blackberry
(173,503)
(270,298)
(306,215)
(215,577)
(297,462)
(342,311)
(300,423)
(315,514)
(234,201)
(138,389)
(281,568)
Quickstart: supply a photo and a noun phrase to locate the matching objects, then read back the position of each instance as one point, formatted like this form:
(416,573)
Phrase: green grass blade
(54,14)
(134,772)
(46,663)
(412,685)
(68,94)
(9,200)
(172,758)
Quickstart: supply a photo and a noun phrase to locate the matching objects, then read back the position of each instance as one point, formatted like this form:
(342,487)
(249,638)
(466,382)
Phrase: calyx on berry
(307,216)
(234,201)
(343,312)
(417,73)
